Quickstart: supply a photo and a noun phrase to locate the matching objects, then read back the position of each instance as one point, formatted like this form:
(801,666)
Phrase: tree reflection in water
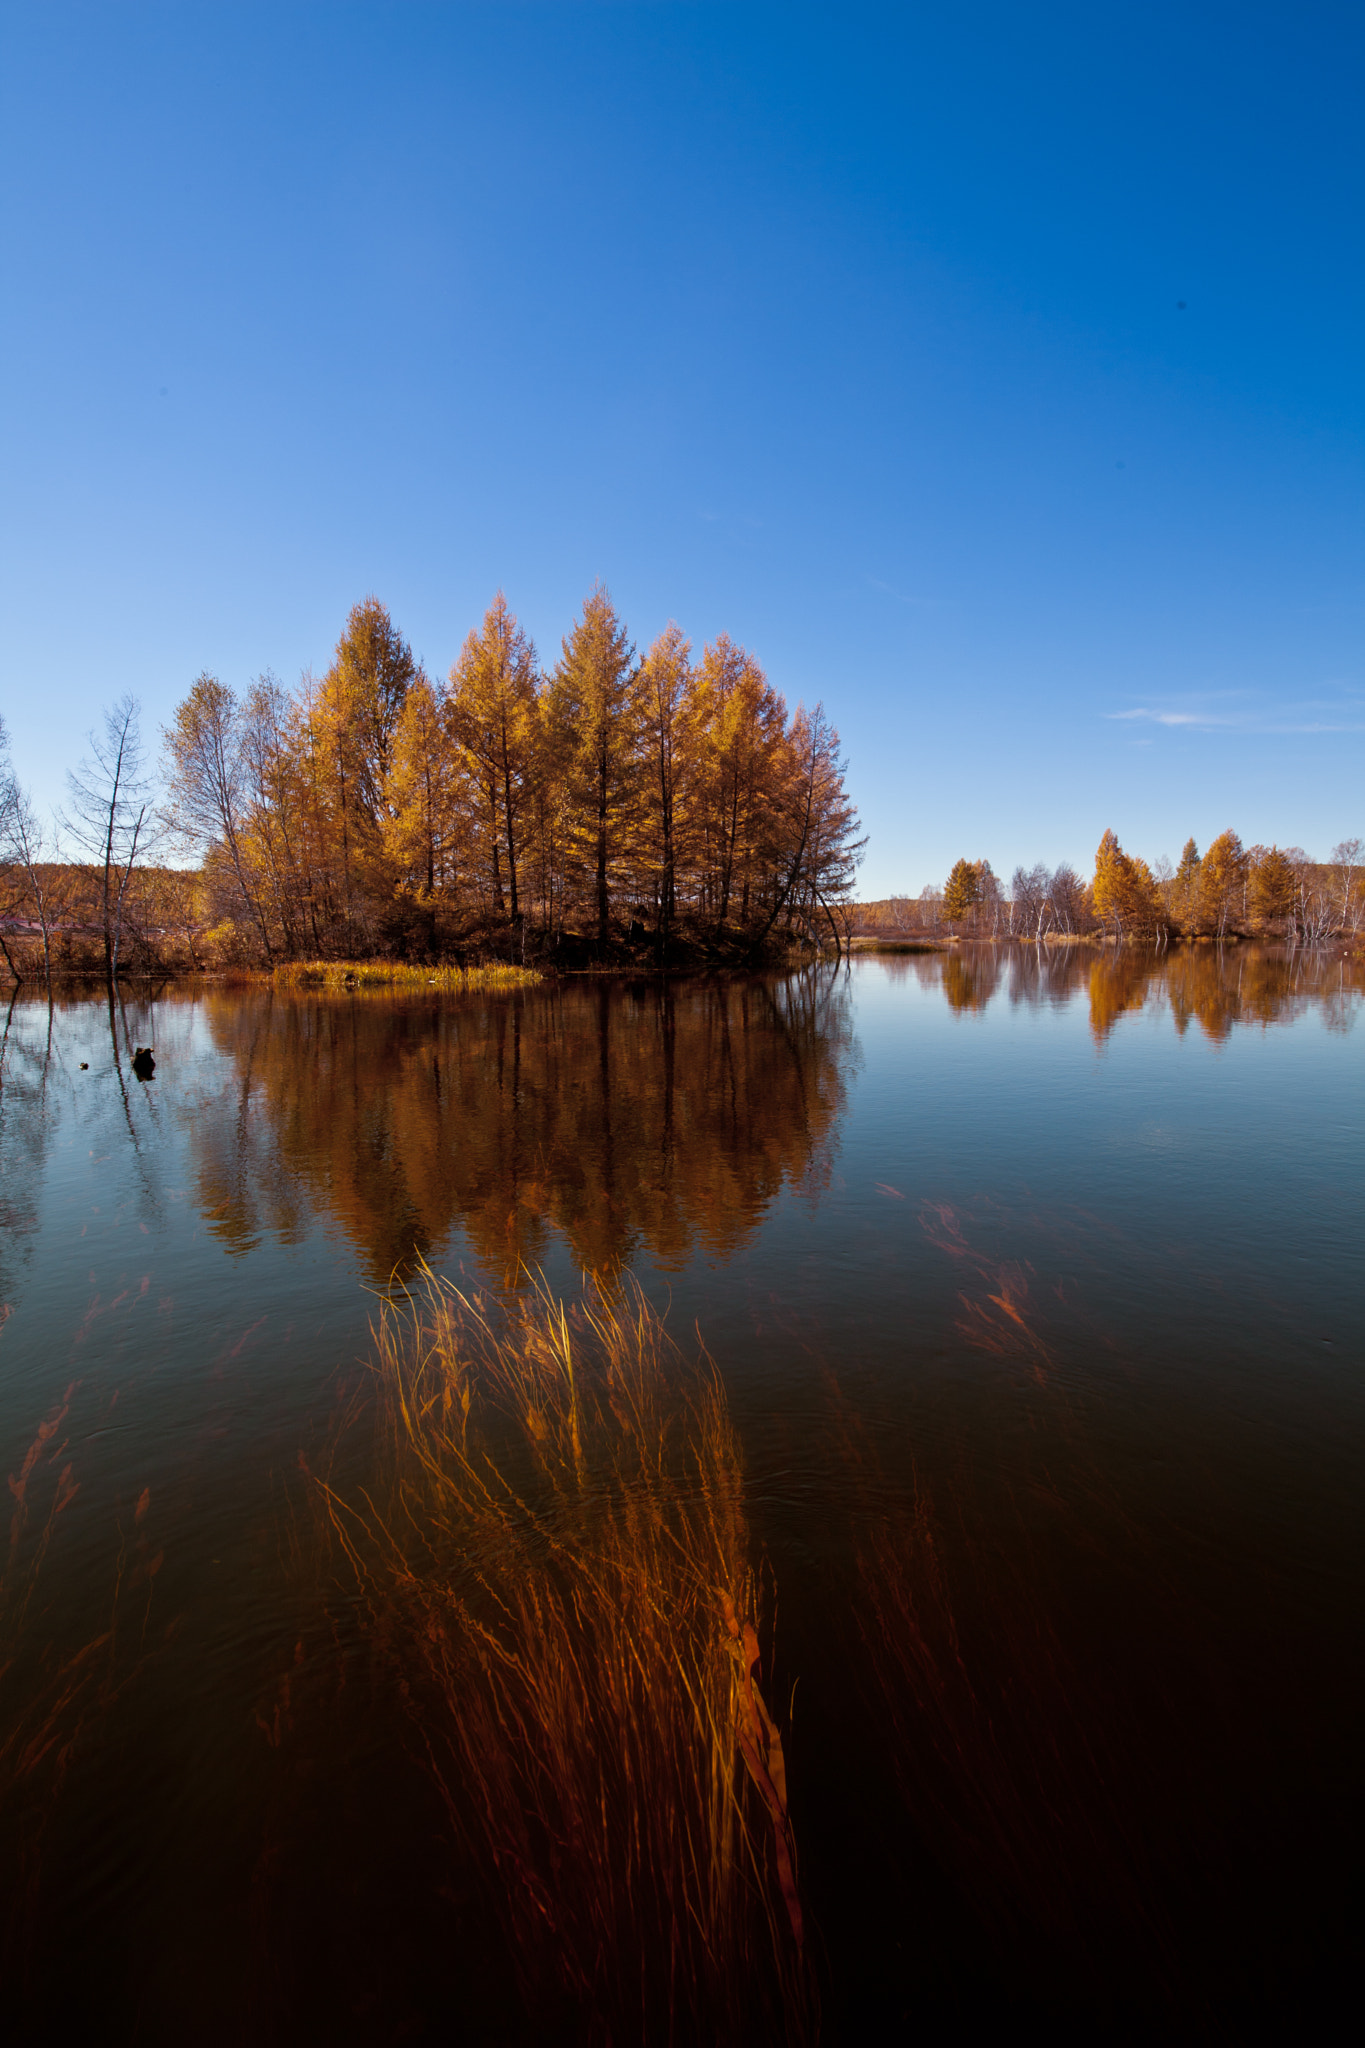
(1217,987)
(628,1117)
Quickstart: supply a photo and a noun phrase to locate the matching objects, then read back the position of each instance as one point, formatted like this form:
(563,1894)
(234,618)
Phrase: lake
(1034,1281)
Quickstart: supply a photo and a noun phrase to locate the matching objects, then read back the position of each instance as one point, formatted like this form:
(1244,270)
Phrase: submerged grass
(393,974)
(558,1563)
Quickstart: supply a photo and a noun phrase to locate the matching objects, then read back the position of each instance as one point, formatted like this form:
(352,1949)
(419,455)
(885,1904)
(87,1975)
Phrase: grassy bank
(393,974)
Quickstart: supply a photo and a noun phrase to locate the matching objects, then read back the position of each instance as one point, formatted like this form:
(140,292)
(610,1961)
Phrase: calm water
(1037,1290)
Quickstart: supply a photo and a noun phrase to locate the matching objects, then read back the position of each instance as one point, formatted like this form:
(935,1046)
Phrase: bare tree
(9,797)
(207,780)
(111,815)
(1346,859)
(1031,901)
(1066,895)
(25,847)
(1314,910)
(988,898)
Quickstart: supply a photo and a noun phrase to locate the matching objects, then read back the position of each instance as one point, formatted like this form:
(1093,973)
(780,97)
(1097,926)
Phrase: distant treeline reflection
(1207,986)
(626,1117)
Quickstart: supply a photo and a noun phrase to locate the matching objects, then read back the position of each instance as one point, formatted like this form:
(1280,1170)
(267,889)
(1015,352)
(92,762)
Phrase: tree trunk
(507,812)
(603,928)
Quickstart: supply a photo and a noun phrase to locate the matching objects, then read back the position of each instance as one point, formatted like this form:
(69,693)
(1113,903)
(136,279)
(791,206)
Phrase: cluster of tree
(662,803)
(1229,891)
(660,800)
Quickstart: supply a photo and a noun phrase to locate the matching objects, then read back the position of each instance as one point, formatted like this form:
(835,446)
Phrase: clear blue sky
(854,331)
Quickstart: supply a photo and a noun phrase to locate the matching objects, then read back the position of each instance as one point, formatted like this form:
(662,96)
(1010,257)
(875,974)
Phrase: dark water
(1037,1290)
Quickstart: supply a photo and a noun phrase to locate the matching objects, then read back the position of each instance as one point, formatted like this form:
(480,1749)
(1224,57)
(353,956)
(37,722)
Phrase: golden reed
(558,1561)
(393,974)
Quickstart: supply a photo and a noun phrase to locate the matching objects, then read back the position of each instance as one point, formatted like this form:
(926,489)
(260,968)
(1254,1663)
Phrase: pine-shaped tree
(597,700)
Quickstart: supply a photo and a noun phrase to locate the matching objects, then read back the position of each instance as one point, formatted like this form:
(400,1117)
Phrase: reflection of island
(625,1116)
(1218,987)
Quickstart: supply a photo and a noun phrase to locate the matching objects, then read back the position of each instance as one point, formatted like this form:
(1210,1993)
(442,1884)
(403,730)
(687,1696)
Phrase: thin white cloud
(1341,714)
(1171,717)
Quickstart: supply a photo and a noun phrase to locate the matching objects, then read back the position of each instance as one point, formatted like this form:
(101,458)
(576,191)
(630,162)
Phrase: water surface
(1035,1283)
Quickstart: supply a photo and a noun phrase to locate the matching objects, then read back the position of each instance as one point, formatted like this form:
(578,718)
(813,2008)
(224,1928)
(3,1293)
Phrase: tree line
(664,803)
(1229,891)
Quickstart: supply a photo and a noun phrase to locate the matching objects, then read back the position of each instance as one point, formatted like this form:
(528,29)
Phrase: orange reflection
(623,1116)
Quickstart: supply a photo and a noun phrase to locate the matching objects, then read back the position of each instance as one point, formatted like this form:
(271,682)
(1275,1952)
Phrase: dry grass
(558,1562)
(393,974)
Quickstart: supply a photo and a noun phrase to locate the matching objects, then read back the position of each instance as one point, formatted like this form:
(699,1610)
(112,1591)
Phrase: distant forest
(667,806)
(1229,891)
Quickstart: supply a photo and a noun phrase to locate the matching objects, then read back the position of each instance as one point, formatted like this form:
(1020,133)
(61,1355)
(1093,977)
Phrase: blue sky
(995,373)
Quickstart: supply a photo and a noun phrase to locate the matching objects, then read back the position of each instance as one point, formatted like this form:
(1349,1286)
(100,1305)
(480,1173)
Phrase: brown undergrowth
(556,1564)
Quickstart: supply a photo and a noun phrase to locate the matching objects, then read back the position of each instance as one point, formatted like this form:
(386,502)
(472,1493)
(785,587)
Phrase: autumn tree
(1185,887)
(597,702)
(1273,886)
(822,843)
(352,720)
(1125,892)
(550,817)
(1222,884)
(669,732)
(422,823)
(962,891)
(275,807)
(493,718)
(742,720)
(371,673)
(987,894)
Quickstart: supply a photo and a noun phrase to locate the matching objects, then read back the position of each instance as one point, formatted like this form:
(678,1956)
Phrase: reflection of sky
(1096,1294)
